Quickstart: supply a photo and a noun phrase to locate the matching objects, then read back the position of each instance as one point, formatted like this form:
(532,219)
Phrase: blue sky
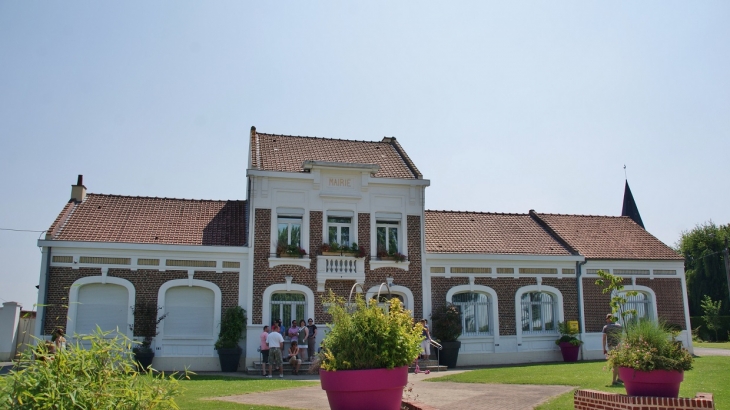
(504,106)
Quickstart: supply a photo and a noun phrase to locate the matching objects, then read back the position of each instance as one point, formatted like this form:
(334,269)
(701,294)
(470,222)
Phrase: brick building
(325,214)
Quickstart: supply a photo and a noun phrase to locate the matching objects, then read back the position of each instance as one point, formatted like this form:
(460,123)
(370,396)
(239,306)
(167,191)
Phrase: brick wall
(670,305)
(146,283)
(506,288)
(410,279)
(593,399)
(263,276)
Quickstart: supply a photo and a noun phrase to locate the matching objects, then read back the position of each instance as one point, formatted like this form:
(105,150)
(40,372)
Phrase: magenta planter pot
(655,383)
(570,352)
(365,389)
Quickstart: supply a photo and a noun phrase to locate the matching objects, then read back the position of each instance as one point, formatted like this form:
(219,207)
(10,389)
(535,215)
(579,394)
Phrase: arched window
(190,312)
(288,306)
(539,313)
(475,309)
(103,305)
(641,303)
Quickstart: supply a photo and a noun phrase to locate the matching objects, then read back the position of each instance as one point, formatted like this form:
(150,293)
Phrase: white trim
(518,307)
(73,300)
(289,288)
(144,247)
(305,262)
(503,257)
(311,176)
(190,282)
(397,289)
(494,308)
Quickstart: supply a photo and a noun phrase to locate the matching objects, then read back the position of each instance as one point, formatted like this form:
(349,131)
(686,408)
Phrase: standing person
(611,338)
(293,331)
(302,337)
(264,349)
(276,343)
(294,361)
(426,343)
(58,339)
(312,339)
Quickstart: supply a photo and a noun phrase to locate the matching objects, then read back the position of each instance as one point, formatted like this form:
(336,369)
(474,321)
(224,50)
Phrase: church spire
(630,209)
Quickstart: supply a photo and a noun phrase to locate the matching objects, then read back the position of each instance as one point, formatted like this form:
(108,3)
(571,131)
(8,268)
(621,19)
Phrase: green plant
(446,323)
(398,257)
(567,334)
(232,326)
(97,372)
(712,314)
(364,336)
(645,345)
(146,322)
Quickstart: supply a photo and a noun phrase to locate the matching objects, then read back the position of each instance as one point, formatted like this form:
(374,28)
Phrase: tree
(704,265)
(711,314)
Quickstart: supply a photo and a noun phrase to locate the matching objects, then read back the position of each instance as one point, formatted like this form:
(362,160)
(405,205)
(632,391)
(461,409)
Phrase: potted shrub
(365,355)
(283,250)
(146,321)
(650,361)
(569,344)
(233,325)
(446,328)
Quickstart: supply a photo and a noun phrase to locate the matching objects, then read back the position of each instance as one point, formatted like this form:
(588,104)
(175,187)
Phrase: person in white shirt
(276,343)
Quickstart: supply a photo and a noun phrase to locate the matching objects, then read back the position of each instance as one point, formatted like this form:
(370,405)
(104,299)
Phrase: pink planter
(656,383)
(364,389)
(570,352)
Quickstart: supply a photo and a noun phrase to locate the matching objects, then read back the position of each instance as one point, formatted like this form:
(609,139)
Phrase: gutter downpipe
(579,284)
(43,293)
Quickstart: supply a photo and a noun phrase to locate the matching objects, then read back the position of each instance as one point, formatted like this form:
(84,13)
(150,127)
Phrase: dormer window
(339,227)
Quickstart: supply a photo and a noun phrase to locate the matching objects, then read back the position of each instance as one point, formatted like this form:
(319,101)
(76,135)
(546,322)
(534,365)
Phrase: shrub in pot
(365,355)
(650,361)
(146,322)
(233,325)
(569,344)
(446,328)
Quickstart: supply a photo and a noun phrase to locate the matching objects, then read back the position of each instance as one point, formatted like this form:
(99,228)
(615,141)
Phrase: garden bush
(706,334)
(96,372)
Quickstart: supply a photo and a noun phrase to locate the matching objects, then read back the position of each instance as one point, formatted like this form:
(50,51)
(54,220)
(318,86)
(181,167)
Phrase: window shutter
(189,311)
(105,305)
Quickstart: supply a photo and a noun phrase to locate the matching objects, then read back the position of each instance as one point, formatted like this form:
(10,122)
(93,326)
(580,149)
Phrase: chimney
(78,191)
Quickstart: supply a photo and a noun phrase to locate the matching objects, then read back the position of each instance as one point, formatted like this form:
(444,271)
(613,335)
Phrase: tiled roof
(286,153)
(491,233)
(608,237)
(133,219)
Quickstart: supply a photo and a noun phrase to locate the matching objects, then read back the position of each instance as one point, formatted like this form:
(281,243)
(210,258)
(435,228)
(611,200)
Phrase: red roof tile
(286,153)
(132,219)
(491,233)
(608,237)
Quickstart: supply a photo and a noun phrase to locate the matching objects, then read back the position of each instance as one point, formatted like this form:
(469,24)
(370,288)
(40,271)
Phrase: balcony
(302,261)
(389,262)
(340,267)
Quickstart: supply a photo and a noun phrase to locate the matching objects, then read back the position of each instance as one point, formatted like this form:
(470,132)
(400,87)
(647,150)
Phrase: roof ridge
(159,197)
(319,138)
(475,212)
(584,215)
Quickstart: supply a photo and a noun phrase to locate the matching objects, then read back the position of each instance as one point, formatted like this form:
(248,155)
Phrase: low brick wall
(593,399)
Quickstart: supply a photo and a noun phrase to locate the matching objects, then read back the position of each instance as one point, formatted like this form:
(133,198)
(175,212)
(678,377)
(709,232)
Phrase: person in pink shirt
(264,349)
(293,331)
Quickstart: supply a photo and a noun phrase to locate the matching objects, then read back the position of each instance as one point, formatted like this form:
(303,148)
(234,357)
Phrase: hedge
(705,334)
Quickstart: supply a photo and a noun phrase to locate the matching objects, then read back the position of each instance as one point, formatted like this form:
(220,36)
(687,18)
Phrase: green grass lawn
(713,345)
(202,387)
(710,374)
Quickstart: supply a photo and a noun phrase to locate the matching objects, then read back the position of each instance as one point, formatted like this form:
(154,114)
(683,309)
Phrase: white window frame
(286,288)
(557,300)
(289,221)
(339,226)
(388,225)
(651,296)
(73,299)
(217,301)
(493,310)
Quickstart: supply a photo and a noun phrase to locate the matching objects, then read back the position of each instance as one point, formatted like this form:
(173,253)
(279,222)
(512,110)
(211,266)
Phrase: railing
(339,264)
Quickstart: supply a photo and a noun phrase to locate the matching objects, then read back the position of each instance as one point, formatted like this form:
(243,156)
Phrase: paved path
(441,395)
(707,351)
